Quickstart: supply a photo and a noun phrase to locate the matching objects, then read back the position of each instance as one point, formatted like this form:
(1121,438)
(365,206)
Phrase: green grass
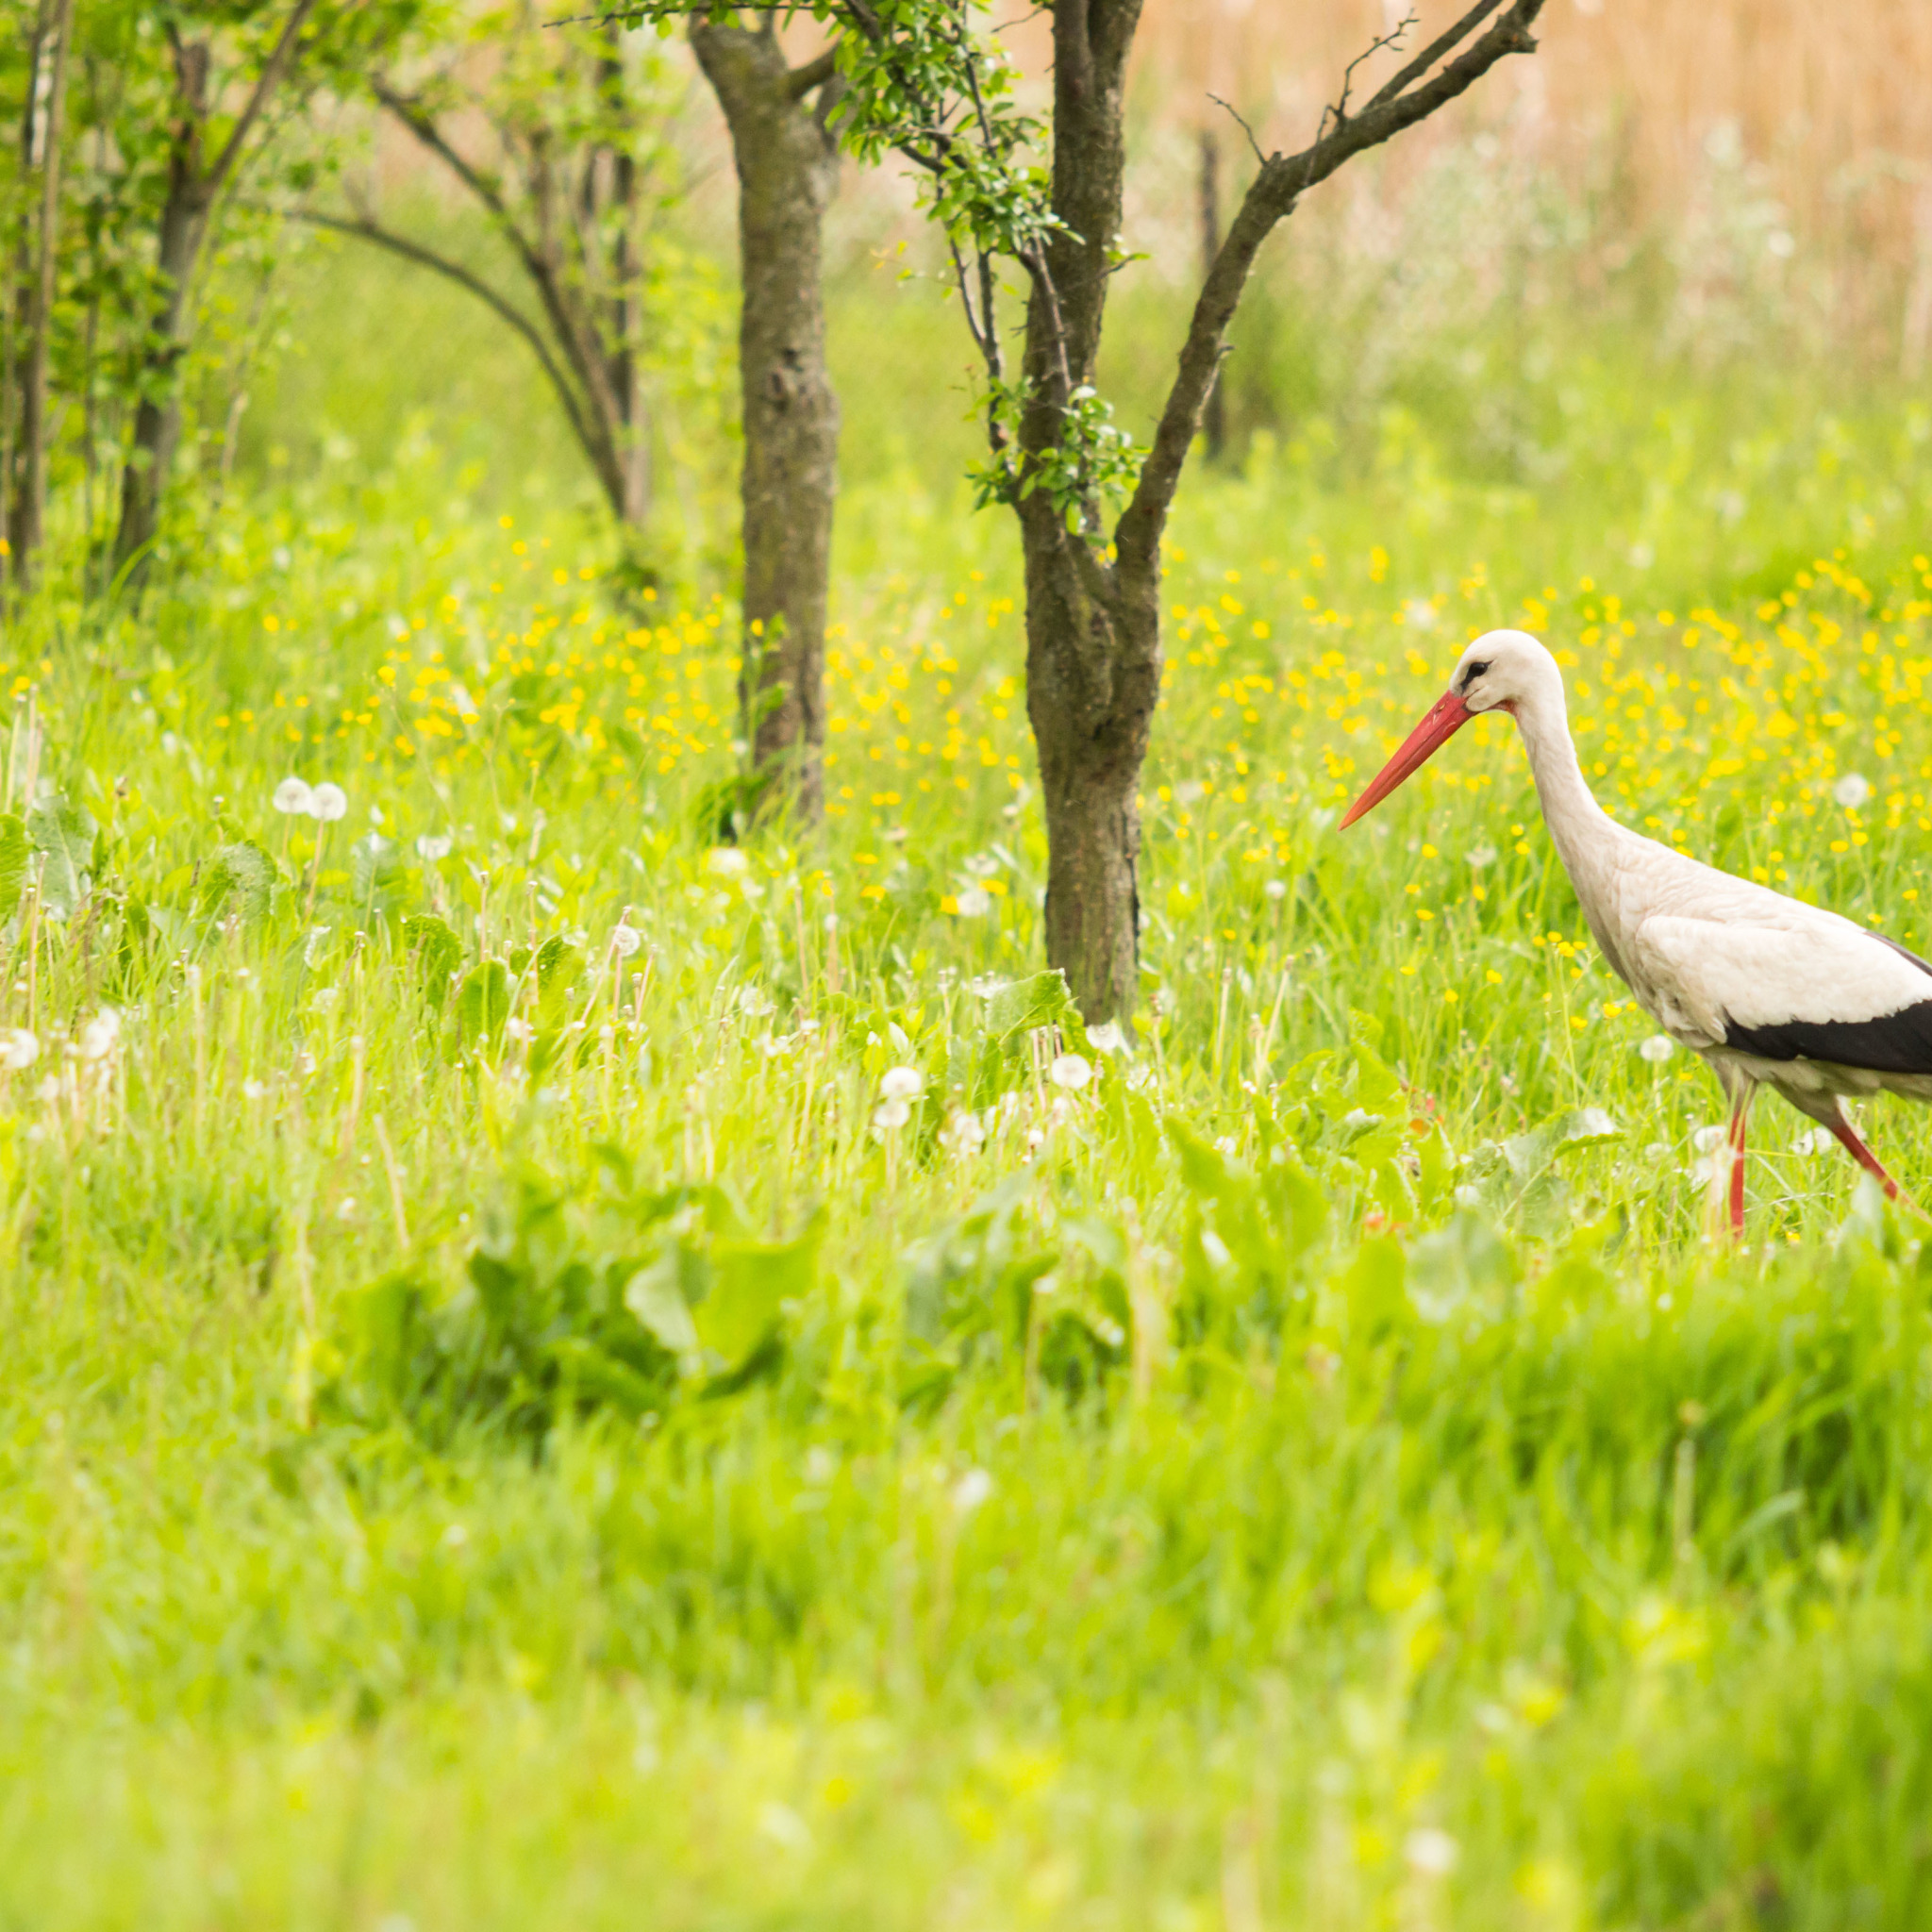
(1310,1474)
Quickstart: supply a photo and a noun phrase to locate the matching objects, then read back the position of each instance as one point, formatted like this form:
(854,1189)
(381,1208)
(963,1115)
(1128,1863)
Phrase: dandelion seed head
(1852,791)
(100,1035)
(971,902)
(1706,1139)
(727,861)
(292,796)
(19,1049)
(1275,888)
(434,845)
(889,1115)
(328,803)
(625,941)
(1658,1048)
(1430,1852)
(1070,1071)
(903,1083)
(1107,1036)
(971,1490)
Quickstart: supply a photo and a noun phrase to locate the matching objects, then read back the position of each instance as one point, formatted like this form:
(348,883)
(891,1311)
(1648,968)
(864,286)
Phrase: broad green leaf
(749,1280)
(656,1296)
(15,853)
(1021,1005)
(435,950)
(242,880)
(63,835)
(376,874)
(483,1002)
(1529,1153)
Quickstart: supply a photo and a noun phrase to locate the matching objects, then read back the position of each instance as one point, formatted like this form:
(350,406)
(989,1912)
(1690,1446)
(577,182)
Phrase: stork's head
(1502,670)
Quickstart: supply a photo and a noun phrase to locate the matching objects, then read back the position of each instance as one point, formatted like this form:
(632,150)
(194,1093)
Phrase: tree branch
(265,84)
(427,258)
(422,126)
(1269,199)
(814,73)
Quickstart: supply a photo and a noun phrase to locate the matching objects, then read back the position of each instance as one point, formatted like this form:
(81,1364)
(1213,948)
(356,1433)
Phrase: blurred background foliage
(1691,237)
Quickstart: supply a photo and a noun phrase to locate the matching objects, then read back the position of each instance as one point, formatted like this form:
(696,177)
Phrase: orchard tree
(227,61)
(786,156)
(923,82)
(560,133)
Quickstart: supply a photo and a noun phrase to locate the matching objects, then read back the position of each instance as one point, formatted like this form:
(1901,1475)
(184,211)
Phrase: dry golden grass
(1829,103)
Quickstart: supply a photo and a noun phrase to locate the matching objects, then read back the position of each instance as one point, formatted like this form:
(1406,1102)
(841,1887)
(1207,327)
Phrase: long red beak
(1440,723)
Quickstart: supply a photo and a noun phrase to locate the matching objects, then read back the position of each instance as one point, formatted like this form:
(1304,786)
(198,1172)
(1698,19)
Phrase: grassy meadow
(567,1374)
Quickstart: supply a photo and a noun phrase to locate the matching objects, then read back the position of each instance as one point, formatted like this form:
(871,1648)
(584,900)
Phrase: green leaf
(749,1281)
(656,1296)
(435,950)
(242,878)
(376,874)
(63,835)
(1023,1005)
(482,1002)
(560,965)
(1529,1153)
(14,855)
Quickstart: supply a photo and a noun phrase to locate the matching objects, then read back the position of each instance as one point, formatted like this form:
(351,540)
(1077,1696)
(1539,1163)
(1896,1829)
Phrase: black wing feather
(1899,1042)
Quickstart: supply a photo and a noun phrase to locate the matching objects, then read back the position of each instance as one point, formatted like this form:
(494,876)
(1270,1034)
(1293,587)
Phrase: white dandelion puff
(293,796)
(328,803)
(1275,888)
(971,902)
(971,1490)
(19,1049)
(1658,1048)
(434,845)
(1852,791)
(1070,1071)
(1430,1852)
(1706,1139)
(728,861)
(625,941)
(889,1115)
(1107,1038)
(100,1035)
(903,1083)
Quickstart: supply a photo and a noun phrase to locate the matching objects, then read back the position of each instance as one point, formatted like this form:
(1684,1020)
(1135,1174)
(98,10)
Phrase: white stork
(1770,991)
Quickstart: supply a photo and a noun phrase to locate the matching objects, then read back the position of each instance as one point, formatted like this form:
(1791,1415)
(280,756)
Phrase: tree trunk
(1214,412)
(157,420)
(786,171)
(1092,653)
(27,498)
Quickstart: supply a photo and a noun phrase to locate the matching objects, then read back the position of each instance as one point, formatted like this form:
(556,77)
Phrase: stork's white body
(1769,991)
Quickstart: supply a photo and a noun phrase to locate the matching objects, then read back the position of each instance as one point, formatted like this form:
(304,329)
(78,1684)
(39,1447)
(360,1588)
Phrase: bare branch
(1244,126)
(368,230)
(1391,39)
(265,84)
(1453,36)
(419,123)
(1269,199)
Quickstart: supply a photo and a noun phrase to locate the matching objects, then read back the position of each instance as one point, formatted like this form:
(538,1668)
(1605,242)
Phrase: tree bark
(1092,668)
(192,190)
(1214,413)
(26,498)
(787,170)
(157,418)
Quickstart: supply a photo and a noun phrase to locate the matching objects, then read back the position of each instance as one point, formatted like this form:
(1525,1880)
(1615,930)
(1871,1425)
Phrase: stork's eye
(1469,676)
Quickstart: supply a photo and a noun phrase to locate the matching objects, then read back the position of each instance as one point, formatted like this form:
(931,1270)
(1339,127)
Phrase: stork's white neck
(1580,829)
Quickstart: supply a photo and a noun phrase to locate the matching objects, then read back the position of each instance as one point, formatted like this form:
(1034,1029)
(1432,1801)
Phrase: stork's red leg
(1848,1139)
(1738,1171)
